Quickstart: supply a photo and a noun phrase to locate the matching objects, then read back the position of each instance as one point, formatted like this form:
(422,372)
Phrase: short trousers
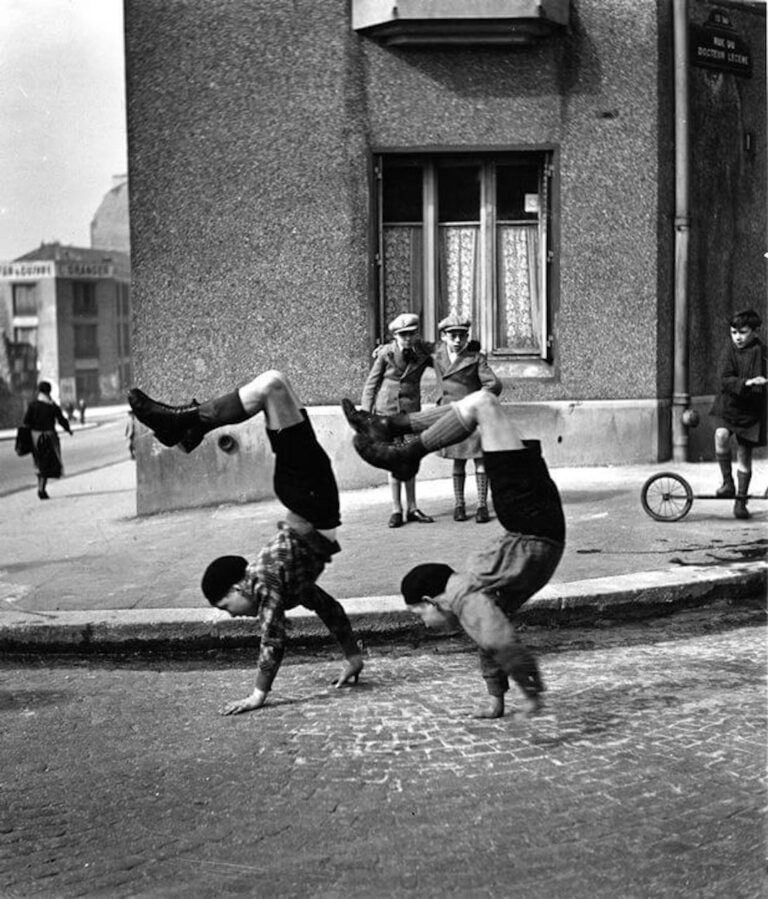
(525,497)
(746,435)
(304,481)
(513,568)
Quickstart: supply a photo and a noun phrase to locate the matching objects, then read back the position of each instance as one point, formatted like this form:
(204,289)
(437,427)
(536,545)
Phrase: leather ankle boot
(727,490)
(740,509)
(168,423)
(401,459)
(373,426)
(223,410)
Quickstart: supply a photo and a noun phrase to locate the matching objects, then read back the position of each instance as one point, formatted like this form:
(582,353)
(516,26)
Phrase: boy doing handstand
(284,573)
(484,597)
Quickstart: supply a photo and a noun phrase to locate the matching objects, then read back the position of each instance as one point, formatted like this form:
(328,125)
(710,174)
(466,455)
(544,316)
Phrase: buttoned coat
(742,409)
(468,372)
(394,384)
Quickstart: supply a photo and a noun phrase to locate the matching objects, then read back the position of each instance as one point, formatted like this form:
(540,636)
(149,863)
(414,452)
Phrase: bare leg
(272,394)
(722,441)
(743,459)
(394,491)
(410,494)
(497,431)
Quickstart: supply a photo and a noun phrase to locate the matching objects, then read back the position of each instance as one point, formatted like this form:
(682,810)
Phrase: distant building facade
(301,173)
(65,317)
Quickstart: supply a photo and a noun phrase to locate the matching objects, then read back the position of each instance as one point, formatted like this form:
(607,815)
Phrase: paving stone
(644,776)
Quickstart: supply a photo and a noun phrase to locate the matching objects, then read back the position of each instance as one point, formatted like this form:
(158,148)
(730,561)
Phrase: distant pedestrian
(41,417)
(462,369)
(81,406)
(130,433)
(739,409)
(284,573)
(496,581)
(69,408)
(394,385)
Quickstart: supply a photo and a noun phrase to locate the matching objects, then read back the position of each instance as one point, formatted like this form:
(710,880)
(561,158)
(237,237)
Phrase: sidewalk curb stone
(374,618)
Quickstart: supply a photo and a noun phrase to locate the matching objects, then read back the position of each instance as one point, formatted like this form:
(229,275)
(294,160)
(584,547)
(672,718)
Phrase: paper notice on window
(531,203)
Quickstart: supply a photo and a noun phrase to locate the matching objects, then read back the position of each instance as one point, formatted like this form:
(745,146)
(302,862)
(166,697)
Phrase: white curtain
(519,313)
(403,271)
(458,271)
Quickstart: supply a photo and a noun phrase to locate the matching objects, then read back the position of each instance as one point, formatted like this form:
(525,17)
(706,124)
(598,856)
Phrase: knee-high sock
(448,429)
(481,479)
(223,410)
(724,461)
(743,478)
(459,477)
(418,422)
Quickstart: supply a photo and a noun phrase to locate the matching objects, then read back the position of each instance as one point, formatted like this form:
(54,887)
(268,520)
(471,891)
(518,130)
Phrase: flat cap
(454,323)
(407,321)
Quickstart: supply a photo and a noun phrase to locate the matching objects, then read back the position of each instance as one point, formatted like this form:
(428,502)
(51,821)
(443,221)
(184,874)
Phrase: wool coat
(468,372)
(742,409)
(394,381)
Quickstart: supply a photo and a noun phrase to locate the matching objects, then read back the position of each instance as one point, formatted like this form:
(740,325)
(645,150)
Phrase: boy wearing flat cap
(462,369)
(394,385)
(285,572)
(498,580)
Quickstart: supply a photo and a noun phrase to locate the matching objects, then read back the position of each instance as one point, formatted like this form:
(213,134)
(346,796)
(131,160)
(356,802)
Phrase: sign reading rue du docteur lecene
(715,45)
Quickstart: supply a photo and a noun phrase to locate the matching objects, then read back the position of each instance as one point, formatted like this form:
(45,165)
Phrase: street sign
(715,45)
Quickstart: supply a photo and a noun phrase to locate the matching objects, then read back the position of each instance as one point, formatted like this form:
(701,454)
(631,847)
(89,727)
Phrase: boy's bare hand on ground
(255,701)
(350,672)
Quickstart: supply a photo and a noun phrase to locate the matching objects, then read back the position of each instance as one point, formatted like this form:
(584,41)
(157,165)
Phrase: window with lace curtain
(467,234)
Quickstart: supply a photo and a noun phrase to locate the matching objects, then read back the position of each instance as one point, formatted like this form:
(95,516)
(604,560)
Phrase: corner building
(301,173)
(65,317)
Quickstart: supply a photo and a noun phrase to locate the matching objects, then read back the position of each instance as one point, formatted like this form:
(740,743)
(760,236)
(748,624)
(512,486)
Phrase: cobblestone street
(643,778)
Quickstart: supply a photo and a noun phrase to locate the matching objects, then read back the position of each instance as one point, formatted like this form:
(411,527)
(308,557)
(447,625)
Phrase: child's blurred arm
(373,381)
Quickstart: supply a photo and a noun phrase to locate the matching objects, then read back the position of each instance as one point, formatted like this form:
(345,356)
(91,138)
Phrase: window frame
(488,159)
(26,290)
(85,347)
(84,291)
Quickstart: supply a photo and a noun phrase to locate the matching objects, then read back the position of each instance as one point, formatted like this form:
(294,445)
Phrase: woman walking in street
(41,417)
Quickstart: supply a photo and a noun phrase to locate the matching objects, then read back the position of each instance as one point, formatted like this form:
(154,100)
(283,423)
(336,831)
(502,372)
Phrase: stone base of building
(234,464)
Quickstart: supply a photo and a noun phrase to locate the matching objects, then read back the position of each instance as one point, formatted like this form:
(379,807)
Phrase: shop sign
(715,45)
(17,271)
(84,269)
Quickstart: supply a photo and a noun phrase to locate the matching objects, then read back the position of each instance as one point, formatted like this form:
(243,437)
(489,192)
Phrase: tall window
(467,234)
(84,299)
(86,342)
(24,300)
(87,384)
(27,336)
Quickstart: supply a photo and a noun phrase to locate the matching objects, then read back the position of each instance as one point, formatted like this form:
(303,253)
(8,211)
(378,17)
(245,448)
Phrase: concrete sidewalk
(82,572)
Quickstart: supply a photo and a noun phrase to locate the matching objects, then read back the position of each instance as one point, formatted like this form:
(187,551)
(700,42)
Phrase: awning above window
(459,22)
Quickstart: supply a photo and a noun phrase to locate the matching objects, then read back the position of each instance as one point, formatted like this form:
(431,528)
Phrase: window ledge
(459,22)
(506,367)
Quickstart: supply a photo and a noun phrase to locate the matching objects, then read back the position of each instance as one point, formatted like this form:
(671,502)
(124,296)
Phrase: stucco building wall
(252,128)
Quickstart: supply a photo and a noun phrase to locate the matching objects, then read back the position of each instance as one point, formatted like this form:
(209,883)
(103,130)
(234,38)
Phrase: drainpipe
(680,396)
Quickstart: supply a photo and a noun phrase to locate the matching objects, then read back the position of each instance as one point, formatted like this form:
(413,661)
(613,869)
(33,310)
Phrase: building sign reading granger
(715,45)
